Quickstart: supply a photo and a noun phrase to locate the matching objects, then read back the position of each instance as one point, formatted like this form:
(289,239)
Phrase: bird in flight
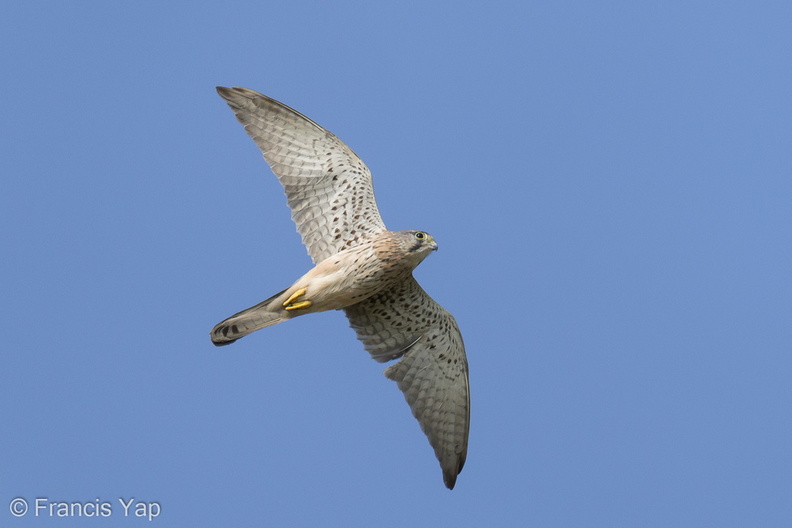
(359,267)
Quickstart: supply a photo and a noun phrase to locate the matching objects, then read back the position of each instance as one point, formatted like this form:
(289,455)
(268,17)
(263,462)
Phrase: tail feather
(247,321)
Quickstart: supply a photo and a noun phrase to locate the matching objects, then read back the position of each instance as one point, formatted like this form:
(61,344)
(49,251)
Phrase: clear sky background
(610,184)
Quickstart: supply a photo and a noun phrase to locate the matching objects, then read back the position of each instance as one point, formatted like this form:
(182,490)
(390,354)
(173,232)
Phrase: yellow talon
(294,296)
(301,304)
(291,305)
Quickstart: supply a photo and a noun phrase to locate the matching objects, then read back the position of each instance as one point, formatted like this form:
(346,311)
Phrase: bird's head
(417,245)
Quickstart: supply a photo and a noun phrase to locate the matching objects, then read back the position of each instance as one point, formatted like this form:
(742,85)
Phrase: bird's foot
(290,303)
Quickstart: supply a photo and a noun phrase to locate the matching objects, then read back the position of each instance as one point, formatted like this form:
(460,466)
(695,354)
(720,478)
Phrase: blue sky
(610,185)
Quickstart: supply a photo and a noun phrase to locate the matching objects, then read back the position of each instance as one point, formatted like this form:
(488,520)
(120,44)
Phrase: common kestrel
(361,268)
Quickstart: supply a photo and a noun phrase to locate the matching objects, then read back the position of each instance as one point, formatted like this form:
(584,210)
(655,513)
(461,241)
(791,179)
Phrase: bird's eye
(420,236)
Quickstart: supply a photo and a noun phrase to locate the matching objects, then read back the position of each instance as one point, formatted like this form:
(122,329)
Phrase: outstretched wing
(329,189)
(433,373)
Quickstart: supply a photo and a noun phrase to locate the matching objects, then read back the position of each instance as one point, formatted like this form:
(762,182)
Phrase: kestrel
(361,268)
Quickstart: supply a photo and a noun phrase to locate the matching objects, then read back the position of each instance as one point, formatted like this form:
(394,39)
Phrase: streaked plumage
(360,267)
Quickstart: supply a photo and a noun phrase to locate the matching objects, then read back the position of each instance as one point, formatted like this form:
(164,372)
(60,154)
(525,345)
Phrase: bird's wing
(404,321)
(328,187)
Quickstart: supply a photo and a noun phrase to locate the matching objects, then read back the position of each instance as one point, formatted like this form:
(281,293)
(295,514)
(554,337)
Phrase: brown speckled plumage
(360,267)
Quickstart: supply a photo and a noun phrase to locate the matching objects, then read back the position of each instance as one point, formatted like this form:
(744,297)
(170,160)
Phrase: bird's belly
(332,287)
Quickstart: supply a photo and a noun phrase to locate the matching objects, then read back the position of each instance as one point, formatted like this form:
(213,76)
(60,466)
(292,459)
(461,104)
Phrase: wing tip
(236,92)
(450,474)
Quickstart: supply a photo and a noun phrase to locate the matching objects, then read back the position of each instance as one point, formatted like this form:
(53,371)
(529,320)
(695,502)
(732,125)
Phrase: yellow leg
(294,296)
(301,304)
(291,305)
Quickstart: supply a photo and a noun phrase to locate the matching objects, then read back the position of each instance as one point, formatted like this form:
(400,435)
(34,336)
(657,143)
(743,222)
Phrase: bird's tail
(249,320)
